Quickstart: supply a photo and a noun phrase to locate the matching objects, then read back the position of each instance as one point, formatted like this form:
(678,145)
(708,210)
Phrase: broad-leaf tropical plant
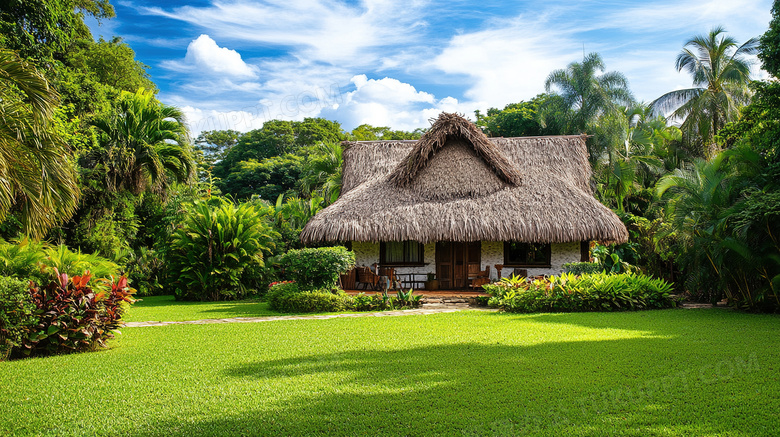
(217,245)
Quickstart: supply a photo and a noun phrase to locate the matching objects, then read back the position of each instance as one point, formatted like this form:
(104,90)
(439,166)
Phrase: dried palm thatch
(447,128)
(447,188)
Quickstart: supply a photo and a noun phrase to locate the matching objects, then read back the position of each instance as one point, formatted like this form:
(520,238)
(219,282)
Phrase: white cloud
(509,59)
(205,57)
(199,120)
(321,30)
(390,102)
(744,18)
(317,48)
(389,90)
(508,62)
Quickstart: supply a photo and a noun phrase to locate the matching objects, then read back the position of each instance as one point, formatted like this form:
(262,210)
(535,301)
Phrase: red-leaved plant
(74,317)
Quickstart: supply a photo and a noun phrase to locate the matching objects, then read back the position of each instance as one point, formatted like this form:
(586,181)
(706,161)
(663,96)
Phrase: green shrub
(407,299)
(16,314)
(22,260)
(39,261)
(482,300)
(74,317)
(582,268)
(288,298)
(277,291)
(317,301)
(61,260)
(587,292)
(315,268)
(618,258)
(210,253)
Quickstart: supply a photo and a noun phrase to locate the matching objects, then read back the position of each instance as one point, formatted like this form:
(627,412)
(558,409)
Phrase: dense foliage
(580,268)
(218,250)
(289,298)
(37,179)
(314,268)
(38,262)
(587,292)
(16,314)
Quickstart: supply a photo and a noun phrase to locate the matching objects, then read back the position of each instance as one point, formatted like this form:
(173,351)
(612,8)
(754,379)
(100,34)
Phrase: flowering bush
(587,292)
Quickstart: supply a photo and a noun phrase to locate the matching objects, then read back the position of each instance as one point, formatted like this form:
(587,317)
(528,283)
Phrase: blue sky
(233,64)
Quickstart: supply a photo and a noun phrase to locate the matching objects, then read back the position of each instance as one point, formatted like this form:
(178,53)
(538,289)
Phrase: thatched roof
(455,184)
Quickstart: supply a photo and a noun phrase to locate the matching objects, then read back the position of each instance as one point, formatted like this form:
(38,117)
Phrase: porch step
(444,306)
(446,302)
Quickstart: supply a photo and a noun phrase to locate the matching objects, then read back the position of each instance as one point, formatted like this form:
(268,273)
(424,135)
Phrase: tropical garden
(111,212)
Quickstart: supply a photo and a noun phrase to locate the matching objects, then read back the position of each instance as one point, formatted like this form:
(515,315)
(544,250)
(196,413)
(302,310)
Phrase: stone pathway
(416,312)
(435,307)
(699,306)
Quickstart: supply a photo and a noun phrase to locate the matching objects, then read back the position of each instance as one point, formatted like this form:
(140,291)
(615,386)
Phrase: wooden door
(453,260)
(444,268)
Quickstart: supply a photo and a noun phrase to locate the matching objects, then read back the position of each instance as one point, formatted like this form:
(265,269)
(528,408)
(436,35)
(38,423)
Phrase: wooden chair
(477,277)
(366,277)
(499,267)
(389,273)
(348,281)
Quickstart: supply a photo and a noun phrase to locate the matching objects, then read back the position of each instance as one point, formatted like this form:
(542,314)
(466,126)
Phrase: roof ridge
(447,126)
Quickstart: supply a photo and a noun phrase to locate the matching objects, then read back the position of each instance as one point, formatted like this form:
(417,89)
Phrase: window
(400,253)
(526,254)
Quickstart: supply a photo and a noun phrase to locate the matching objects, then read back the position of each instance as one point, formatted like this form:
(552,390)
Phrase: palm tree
(699,201)
(588,100)
(145,145)
(323,171)
(588,92)
(37,177)
(721,74)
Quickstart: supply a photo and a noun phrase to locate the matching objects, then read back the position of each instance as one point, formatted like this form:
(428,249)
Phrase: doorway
(452,261)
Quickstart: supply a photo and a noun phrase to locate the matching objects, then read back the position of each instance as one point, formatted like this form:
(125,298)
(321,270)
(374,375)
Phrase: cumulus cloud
(206,57)
(389,102)
(306,55)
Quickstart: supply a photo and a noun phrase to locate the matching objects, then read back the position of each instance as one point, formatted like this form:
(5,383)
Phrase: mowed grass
(654,373)
(166,308)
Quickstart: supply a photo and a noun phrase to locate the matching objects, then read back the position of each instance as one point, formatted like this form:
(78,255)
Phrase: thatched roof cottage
(456,198)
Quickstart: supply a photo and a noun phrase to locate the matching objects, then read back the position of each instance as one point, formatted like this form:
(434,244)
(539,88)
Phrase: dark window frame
(545,263)
(407,256)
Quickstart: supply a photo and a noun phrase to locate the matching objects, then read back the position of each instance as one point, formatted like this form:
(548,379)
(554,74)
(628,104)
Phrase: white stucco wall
(367,254)
(560,254)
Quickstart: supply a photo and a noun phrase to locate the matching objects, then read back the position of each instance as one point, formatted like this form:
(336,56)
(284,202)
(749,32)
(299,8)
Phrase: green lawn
(165,308)
(655,373)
